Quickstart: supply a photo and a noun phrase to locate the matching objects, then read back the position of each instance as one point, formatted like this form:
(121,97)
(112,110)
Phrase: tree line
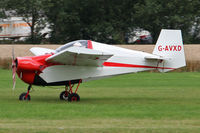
(108,21)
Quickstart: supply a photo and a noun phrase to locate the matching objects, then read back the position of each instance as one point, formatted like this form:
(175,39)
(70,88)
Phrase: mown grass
(141,102)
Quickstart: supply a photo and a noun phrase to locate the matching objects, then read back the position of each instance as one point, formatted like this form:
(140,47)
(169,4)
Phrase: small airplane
(85,60)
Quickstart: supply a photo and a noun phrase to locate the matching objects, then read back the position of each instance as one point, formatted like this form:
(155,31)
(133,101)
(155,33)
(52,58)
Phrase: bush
(5,63)
(191,66)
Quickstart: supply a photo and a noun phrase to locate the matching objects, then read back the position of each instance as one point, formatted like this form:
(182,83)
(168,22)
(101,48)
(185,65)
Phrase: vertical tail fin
(170,46)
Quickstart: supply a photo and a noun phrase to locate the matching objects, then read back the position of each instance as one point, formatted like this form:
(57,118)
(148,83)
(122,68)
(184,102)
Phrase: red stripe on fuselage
(113,64)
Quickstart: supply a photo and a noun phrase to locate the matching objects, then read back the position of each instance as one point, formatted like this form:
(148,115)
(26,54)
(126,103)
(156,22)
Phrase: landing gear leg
(68,94)
(26,96)
(74,96)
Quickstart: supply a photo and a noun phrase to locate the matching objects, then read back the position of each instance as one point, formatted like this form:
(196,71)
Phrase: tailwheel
(64,95)
(25,96)
(73,97)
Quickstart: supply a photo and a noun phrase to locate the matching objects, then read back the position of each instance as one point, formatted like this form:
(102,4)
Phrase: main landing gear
(25,96)
(69,95)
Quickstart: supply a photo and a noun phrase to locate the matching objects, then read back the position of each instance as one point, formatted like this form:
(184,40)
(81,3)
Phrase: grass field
(140,103)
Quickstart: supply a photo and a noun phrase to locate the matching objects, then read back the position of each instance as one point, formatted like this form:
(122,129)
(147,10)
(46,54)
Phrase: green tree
(109,21)
(101,20)
(2,8)
(32,13)
(154,15)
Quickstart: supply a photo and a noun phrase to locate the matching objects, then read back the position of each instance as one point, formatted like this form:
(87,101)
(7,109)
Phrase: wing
(41,51)
(79,56)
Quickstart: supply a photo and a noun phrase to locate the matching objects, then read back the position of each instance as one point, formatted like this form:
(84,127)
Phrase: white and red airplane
(85,60)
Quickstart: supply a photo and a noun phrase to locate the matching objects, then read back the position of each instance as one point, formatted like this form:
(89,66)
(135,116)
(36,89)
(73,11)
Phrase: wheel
(22,97)
(64,95)
(73,97)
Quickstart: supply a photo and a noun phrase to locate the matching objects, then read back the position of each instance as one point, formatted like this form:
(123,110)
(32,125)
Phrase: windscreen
(78,43)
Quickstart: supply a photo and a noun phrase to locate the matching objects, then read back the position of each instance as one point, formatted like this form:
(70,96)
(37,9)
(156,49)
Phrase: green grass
(141,103)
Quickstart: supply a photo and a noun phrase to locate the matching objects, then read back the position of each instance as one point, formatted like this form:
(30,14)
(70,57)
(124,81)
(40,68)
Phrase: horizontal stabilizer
(153,57)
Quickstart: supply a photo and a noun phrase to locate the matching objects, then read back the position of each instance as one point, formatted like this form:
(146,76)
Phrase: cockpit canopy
(78,43)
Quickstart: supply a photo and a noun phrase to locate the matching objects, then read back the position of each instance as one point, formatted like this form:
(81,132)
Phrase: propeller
(13,69)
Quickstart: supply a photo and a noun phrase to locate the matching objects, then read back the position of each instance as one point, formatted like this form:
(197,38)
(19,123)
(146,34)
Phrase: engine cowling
(28,68)
(27,64)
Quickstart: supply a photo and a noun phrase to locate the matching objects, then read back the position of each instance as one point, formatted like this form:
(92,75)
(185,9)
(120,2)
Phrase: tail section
(170,47)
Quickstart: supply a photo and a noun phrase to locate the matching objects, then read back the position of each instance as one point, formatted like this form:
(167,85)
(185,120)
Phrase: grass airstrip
(142,103)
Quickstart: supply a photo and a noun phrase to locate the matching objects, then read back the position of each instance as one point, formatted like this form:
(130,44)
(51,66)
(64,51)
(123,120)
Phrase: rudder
(170,46)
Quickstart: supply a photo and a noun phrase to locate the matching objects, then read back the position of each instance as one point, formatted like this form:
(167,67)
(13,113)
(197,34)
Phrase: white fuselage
(123,61)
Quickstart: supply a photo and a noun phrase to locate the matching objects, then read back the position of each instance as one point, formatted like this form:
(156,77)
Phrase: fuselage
(35,70)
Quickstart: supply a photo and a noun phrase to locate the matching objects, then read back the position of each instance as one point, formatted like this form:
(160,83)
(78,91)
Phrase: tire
(22,97)
(74,97)
(63,95)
